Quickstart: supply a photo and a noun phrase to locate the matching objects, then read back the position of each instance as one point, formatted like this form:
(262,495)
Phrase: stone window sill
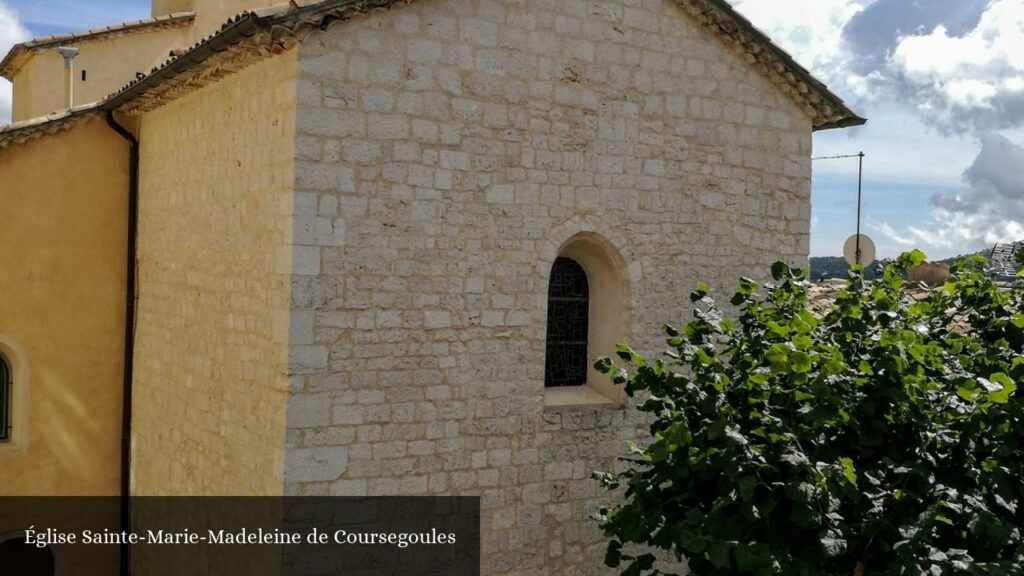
(577,398)
(11,448)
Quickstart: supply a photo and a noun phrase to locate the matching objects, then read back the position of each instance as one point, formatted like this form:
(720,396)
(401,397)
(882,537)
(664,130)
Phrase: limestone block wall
(214,261)
(446,150)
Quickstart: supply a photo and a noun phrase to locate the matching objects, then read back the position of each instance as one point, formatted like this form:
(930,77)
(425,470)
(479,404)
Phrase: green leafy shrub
(884,437)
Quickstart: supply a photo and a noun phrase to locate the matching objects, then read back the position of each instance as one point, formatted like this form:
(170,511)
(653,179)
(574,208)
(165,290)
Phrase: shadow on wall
(20,559)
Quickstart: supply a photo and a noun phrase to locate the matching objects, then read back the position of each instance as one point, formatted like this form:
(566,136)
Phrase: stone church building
(370,247)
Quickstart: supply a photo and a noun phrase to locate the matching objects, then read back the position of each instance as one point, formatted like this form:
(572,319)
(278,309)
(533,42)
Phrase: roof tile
(11,63)
(268,30)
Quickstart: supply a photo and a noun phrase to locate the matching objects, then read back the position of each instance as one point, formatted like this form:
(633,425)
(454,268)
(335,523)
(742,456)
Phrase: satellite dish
(867,250)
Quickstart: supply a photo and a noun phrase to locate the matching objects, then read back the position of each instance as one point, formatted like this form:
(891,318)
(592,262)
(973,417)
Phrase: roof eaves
(276,28)
(239,28)
(20,53)
(234,31)
(51,124)
(269,30)
(826,109)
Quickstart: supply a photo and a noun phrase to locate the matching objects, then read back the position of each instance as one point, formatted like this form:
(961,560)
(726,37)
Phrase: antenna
(857,255)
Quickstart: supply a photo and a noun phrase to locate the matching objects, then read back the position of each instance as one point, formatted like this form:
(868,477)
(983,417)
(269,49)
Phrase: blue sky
(941,81)
(51,16)
(44,17)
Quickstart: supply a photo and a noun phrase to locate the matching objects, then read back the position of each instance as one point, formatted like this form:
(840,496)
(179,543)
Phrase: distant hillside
(987,253)
(825,267)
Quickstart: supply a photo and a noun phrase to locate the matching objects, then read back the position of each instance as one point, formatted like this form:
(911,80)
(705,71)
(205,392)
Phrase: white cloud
(810,30)
(968,71)
(941,95)
(972,83)
(901,148)
(971,93)
(11,32)
(938,55)
(944,233)
(942,84)
(988,206)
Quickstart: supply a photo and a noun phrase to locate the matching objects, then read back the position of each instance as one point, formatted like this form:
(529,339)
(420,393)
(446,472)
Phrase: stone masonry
(214,268)
(445,151)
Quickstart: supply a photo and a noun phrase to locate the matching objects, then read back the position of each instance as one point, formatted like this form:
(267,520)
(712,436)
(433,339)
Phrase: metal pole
(860,179)
(860,182)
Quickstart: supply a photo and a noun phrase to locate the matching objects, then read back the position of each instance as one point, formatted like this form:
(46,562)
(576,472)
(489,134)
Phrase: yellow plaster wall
(21,95)
(63,206)
(210,14)
(110,63)
(162,7)
(216,191)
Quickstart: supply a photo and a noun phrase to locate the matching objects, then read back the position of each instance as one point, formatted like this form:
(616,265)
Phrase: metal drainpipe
(129,332)
(69,53)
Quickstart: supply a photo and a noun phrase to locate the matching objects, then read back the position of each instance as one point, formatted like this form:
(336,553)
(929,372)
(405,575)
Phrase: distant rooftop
(1003,263)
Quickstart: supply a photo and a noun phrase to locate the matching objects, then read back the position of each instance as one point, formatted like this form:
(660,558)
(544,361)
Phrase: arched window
(568,325)
(6,400)
(588,312)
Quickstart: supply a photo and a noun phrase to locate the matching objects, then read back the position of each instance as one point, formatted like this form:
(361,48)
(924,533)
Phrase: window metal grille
(568,323)
(5,401)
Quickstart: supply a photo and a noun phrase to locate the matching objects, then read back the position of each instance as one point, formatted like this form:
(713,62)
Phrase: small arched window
(5,400)
(568,325)
(588,313)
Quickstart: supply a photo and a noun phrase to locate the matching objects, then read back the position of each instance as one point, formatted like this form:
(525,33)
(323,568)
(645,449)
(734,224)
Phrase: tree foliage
(885,437)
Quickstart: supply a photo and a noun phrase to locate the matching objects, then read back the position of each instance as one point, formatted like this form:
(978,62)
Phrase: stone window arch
(15,381)
(6,399)
(588,312)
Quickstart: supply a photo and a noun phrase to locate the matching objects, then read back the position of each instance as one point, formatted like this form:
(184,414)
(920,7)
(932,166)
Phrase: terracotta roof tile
(266,31)
(19,53)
